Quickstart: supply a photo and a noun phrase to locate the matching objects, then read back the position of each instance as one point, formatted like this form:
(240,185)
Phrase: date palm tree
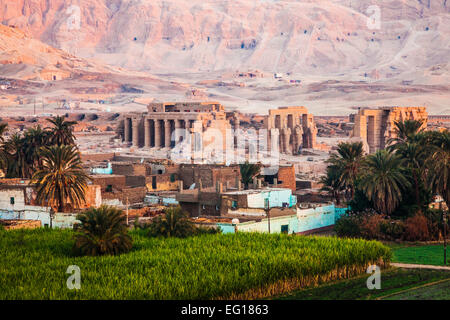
(248,172)
(331,183)
(383,180)
(62,179)
(3,157)
(16,160)
(412,146)
(62,131)
(439,164)
(406,131)
(174,223)
(3,129)
(348,162)
(102,231)
(34,139)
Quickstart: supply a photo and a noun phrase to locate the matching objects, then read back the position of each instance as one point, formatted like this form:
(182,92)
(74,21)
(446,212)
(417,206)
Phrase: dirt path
(419,266)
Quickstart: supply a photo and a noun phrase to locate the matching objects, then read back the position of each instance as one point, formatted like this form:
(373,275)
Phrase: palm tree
(439,164)
(406,131)
(331,182)
(16,160)
(348,161)
(62,179)
(102,231)
(34,139)
(383,180)
(174,223)
(62,131)
(3,129)
(3,157)
(412,146)
(248,172)
(414,153)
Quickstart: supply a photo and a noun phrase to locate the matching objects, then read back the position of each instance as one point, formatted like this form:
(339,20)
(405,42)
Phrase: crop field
(420,254)
(33,265)
(396,284)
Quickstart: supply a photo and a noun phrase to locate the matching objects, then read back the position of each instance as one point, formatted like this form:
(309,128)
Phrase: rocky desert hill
(326,36)
(317,41)
(31,70)
(25,58)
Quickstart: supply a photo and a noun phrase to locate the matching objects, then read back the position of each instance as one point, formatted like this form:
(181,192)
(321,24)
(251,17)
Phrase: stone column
(147,140)
(167,133)
(157,134)
(135,126)
(177,132)
(127,130)
(236,129)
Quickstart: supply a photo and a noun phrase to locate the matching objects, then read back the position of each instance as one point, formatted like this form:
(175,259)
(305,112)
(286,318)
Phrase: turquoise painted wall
(107,170)
(151,199)
(263,225)
(305,220)
(339,212)
(314,218)
(276,198)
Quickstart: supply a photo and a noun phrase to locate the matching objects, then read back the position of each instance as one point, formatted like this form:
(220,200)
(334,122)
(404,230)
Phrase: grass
(420,254)
(33,265)
(437,291)
(394,282)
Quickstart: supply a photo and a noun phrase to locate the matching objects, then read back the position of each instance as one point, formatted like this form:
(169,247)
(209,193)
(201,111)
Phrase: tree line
(400,180)
(50,159)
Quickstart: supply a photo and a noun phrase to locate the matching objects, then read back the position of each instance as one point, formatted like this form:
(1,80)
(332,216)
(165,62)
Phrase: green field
(33,265)
(420,254)
(396,284)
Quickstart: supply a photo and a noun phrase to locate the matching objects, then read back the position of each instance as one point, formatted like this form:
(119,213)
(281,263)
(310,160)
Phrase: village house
(18,202)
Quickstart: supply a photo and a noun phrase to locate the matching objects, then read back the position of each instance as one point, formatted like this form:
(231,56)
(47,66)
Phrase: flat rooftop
(256,191)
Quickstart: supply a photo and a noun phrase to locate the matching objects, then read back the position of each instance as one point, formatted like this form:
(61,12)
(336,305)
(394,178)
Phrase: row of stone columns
(160,126)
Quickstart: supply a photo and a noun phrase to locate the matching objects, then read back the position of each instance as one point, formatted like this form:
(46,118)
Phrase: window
(172,178)
(12,200)
(154,185)
(109,188)
(285,228)
(234,204)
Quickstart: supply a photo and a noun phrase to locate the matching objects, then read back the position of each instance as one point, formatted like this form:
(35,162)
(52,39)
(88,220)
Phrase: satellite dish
(235,221)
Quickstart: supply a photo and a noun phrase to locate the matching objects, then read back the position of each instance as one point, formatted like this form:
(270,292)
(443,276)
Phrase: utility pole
(444,214)
(268,212)
(127,211)
(444,220)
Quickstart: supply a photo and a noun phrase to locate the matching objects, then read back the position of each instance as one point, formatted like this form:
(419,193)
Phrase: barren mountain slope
(404,61)
(319,37)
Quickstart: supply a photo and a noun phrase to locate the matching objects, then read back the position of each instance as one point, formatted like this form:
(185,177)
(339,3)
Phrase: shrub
(391,229)
(416,228)
(174,223)
(204,230)
(370,226)
(102,231)
(435,224)
(349,225)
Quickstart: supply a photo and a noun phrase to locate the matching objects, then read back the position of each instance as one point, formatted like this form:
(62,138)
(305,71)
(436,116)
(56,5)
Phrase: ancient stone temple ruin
(375,126)
(296,128)
(154,128)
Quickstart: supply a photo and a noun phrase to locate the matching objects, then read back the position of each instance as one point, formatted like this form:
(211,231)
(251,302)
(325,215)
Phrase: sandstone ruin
(154,128)
(296,128)
(375,126)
